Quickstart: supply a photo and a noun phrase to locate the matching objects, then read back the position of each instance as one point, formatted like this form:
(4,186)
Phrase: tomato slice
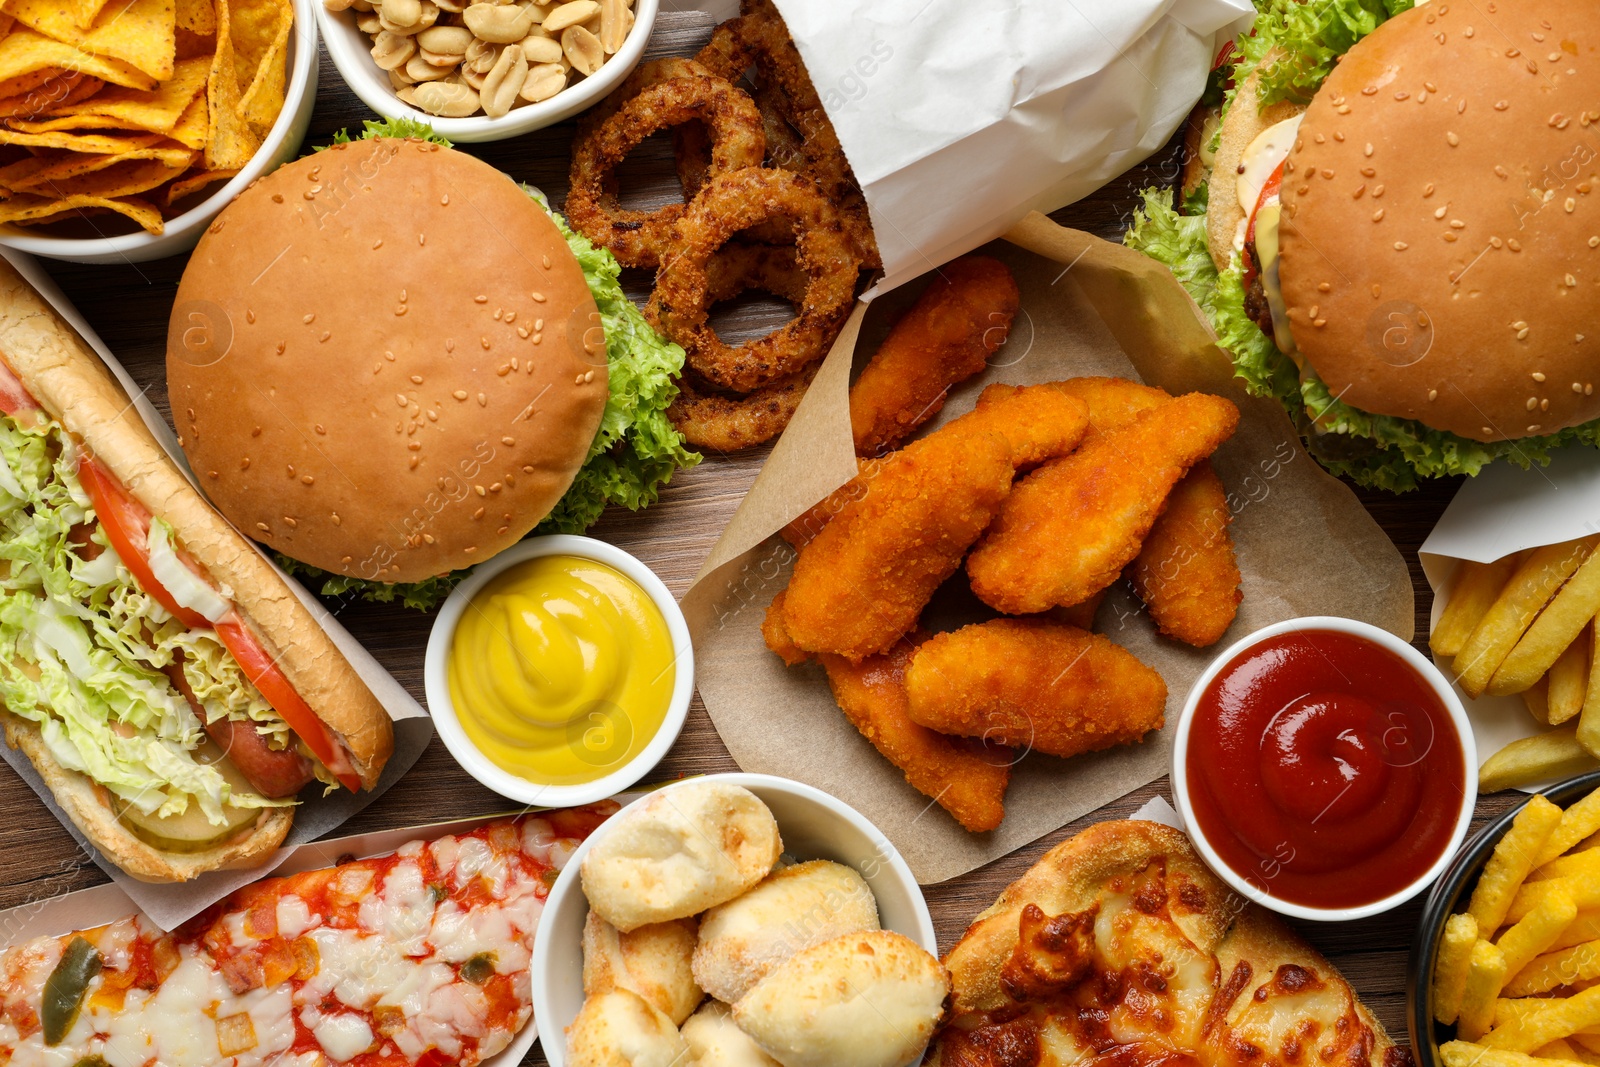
(1273,187)
(260,668)
(127,526)
(14,397)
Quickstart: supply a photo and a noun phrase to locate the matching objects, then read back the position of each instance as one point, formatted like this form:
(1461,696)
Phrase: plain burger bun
(72,385)
(1242,124)
(1441,233)
(384,361)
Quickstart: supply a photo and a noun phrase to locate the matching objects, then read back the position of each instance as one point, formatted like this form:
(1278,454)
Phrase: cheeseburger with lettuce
(389,361)
(1398,235)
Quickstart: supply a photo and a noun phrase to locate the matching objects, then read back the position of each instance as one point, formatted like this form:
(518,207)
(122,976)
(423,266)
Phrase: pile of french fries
(1527,624)
(1527,994)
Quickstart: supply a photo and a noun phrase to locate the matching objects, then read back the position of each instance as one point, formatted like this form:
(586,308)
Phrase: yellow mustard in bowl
(561,670)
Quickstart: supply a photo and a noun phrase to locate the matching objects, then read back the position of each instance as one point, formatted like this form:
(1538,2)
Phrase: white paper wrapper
(169,905)
(107,903)
(959,118)
(1501,511)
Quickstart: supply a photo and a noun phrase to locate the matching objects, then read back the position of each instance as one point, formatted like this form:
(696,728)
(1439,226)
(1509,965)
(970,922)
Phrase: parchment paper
(1503,510)
(169,905)
(1305,545)
(958,118)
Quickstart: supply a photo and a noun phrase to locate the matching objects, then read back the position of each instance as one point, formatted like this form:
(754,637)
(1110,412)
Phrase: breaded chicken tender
(863,581)
(966,777)
(1070,527)
(945,338)
(776,635)
(1186,573)
(1034,684)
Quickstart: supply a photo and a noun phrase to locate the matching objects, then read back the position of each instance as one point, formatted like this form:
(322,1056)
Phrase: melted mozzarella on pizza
(420,957)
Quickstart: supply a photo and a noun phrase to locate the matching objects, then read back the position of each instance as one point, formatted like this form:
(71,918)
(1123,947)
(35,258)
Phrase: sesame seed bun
(1242,124)
(1441,233)
(384,361)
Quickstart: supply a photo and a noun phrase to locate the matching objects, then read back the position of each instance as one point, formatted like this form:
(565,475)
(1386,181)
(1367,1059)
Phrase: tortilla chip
(83,12)
(157,112)
(195,44)
(139,33)
(196,17)
(72,122)
(69,89)
(194,126)
(229,142)
(37,209)
(193,183)
(24,52)
(120,179)
(99,144)
(263,87)
(28,175)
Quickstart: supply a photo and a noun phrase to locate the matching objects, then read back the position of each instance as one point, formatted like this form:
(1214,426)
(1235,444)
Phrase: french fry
(1536,698)
(1558,1049)
(1486,973)
(1450,967)
(1569,678)
(1531,586)
(1580,821)
(1589,720)
(1588,1042)
(1586,927)
(1563,1017)
(1473,589)
(1466,1054)
(1580,963)
(1511,861)
(1534,933)
(1586,862)
(1539,758)
(1585,894)
(1553,633)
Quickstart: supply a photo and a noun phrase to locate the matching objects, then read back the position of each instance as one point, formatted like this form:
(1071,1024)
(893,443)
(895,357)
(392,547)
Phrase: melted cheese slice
(1261,158)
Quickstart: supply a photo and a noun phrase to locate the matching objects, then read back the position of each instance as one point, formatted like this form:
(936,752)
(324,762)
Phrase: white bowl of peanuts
(479,70)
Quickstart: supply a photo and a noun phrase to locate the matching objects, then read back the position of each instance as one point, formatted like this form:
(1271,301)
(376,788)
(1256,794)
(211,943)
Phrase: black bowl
(1449,895)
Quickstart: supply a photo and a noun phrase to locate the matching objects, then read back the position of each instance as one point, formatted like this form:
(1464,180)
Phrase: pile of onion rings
(770,203)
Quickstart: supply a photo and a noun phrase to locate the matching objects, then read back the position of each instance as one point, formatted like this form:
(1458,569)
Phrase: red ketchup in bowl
(1324,769)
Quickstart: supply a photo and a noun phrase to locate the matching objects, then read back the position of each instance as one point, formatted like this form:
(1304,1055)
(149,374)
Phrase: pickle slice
(191,831)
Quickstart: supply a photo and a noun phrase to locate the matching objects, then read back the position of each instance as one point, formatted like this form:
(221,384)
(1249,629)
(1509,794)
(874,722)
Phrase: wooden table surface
(128,305)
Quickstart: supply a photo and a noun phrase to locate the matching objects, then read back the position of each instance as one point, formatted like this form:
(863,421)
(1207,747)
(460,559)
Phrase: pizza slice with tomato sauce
(170,689)
(420,957)
(1120,949)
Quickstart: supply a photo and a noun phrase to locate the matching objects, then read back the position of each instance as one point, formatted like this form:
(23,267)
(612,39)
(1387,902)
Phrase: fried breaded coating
(1040,422)
(811,522)
(863,581)
(946,337)
(776,635)
(1034,684)
(1080,615)
(1069,528)
(1186,572)
(965,777)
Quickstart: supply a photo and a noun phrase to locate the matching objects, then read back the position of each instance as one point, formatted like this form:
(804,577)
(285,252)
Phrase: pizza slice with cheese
(419,958)
(1120,949)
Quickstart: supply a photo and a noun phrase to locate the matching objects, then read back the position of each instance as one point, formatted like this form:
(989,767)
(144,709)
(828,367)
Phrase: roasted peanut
(390,50)
(407,93)
(499,25)
(582,49)
(369,23)
(543,82)
(418,69)
(615,21)
(430,15)
(446,99)
(337,5)
(401,13)
(399,79)
(445,40)
(501,85)
(541,49)
(570,14)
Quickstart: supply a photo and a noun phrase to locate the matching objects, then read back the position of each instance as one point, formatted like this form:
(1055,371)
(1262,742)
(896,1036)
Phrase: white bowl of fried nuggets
(737,920)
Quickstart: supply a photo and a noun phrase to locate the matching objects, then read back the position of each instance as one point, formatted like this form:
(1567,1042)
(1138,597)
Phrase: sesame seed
(1449,238)
(1532,403)
(309,319)
(480,490)
(414,461)
(1501,172)
(1577,387)
(538,298)
(480,299)
(1377,216)
(422,238)
(416,379)
(1544,405)
(1519,325)
(261,526)
(1496,242)
(1538,376)
(308,479)
(1400,246)
(1324,287)
(415,446)
(1377,190)
(1440,213)
(377,244)
(1360,189)
(1594,242)
(1427,190)
(400,398)
(1522,334)
(1402,95)
(546,261)
(1319,322)
(291,523)
(1457,224)
(1368,150)
(508,441)
(1314,310)
(1433,394)
(1452,139)
(504,370)
(1571,282)
(1535,428)
(1571,205)
(483,401)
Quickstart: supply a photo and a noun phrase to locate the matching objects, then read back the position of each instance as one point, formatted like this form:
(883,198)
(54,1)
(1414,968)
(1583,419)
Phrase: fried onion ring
(732,202)
(637,237)
(726,423)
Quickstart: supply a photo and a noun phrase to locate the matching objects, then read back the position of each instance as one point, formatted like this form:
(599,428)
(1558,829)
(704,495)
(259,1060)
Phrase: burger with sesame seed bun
(388,361)
(1399,238)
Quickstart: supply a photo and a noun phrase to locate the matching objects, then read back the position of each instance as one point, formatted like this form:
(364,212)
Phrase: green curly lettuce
(636,449)
(1296,43)
(1380,451)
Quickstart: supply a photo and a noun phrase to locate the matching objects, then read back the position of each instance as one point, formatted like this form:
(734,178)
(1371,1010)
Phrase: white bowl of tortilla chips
(125,127)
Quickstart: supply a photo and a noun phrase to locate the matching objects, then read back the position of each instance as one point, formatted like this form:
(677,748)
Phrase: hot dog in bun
(169,688)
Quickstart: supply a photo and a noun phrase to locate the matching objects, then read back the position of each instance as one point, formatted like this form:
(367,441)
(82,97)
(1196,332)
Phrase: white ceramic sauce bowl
(352,56)
(436,681)
(814,826)
(1414,659)
(183,232)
